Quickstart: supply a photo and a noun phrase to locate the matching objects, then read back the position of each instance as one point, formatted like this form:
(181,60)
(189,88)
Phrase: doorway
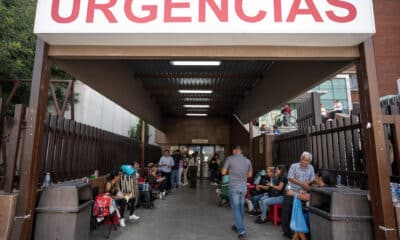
(206,153)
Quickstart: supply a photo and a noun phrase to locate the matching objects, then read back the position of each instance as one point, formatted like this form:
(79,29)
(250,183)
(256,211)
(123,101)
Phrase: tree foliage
(17,41)
(135,133)
(17,51)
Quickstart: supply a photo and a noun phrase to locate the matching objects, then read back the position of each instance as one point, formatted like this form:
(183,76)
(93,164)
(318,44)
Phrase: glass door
(207,153)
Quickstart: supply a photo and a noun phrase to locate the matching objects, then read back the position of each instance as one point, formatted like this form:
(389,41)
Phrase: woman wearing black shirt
(276,193)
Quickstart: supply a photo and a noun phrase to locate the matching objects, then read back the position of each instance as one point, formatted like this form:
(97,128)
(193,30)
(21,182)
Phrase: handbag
(298,222)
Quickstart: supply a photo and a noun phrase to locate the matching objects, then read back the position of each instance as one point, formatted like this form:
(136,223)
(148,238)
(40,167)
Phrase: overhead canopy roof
(248,89)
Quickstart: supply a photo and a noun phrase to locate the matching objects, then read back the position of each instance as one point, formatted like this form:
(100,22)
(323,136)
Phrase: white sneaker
(133,217)
(250,206)
(164,193)
(122,222)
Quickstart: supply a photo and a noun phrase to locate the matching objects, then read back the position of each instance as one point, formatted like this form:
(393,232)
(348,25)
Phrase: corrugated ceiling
(230,82)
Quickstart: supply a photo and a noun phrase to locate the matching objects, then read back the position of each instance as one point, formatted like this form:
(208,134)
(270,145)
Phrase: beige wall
(184,130)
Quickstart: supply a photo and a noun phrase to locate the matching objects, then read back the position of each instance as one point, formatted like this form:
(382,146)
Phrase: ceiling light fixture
(197,99)
(196,63)
(196,114)
(195,91)
(196,106)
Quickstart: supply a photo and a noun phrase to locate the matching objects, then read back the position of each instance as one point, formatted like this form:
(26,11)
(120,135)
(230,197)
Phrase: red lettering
(278,10)
(55,12)
(221,13)
(345,5)
(152,9)
(169,5)
(104,7)
(311,10)
(250,19)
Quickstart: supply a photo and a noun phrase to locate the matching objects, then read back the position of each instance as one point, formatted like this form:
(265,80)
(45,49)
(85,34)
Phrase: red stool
(275,214)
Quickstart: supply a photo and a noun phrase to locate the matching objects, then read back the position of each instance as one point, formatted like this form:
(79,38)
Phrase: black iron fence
(335,146)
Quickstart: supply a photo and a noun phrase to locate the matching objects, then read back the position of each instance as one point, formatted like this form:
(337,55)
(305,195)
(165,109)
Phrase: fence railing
(73,150)
(335,146)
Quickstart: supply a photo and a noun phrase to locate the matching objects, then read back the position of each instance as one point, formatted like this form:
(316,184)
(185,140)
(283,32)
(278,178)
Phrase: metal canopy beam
(115,80)
(284,81)
(35,116)
(385,226)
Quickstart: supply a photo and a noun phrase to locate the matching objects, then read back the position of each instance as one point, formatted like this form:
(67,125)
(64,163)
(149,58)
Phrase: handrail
(292,124)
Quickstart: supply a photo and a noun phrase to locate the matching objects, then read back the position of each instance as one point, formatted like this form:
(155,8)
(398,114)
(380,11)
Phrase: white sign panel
(216,22)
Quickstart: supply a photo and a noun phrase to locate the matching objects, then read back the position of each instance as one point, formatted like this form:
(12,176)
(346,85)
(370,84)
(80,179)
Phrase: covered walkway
(188,214)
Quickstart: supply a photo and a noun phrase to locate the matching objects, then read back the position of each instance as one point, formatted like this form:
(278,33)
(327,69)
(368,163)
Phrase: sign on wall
(200,141)
(213,22)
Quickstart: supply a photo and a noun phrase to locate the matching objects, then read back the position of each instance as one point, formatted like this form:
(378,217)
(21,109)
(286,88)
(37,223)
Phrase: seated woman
(156,182)
(113,188)
(262,190)
(323,179)
(275,194)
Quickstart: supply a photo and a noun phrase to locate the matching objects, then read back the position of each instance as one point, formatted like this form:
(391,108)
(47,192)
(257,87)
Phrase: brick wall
(387,44)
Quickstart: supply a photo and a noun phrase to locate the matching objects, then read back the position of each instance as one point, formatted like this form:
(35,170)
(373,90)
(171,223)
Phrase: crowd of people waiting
(275,186)
(127,188)
(278,186)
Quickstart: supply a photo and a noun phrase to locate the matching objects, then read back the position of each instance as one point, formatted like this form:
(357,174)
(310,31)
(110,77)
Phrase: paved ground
(188,214)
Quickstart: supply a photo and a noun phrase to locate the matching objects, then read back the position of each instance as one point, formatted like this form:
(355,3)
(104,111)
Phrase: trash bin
(64,212)
(339,214)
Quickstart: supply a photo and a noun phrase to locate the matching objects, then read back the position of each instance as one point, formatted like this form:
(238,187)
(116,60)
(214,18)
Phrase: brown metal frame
(142,146)
(35,117)
(374,145)
(14,148)
(60,110)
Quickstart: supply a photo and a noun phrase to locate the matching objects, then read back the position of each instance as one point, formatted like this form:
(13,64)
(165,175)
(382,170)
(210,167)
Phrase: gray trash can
(64,212)
(340,214)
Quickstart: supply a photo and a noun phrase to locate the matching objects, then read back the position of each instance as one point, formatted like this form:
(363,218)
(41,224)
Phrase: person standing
(180,172)
(166,163)
(214,169)
(239,169)
(192,172)
(185,168)
(287,112)
(177,157)
(337,108)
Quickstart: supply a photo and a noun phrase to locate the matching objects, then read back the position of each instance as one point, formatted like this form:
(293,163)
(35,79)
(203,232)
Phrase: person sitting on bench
(113,188)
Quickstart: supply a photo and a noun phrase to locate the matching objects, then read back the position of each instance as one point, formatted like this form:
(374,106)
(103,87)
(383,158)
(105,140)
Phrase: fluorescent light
(196,91)
(197,99)
(196,114)
(196,106)
(195,63)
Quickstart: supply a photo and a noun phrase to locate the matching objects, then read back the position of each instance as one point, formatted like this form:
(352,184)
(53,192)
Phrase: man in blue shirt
(166,163)
(239,169)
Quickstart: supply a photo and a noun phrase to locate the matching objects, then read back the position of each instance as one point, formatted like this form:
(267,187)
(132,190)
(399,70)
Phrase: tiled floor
(189,214)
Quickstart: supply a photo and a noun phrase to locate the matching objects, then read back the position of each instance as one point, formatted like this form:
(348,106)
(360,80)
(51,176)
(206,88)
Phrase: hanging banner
(212,22)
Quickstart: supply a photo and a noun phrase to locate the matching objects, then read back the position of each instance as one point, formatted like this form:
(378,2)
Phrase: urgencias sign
(210,22)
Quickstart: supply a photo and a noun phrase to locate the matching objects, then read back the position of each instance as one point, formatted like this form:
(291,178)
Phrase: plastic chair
(275,214)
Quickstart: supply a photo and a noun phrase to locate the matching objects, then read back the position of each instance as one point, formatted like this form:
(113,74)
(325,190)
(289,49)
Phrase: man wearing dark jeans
(287,206)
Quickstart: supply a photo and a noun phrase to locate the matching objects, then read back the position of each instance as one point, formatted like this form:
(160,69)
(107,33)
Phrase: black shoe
(234,228)
(255,213)
(260,220)
(242,236)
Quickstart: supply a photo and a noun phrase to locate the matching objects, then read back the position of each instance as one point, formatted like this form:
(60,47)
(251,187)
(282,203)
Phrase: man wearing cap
(239,169)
